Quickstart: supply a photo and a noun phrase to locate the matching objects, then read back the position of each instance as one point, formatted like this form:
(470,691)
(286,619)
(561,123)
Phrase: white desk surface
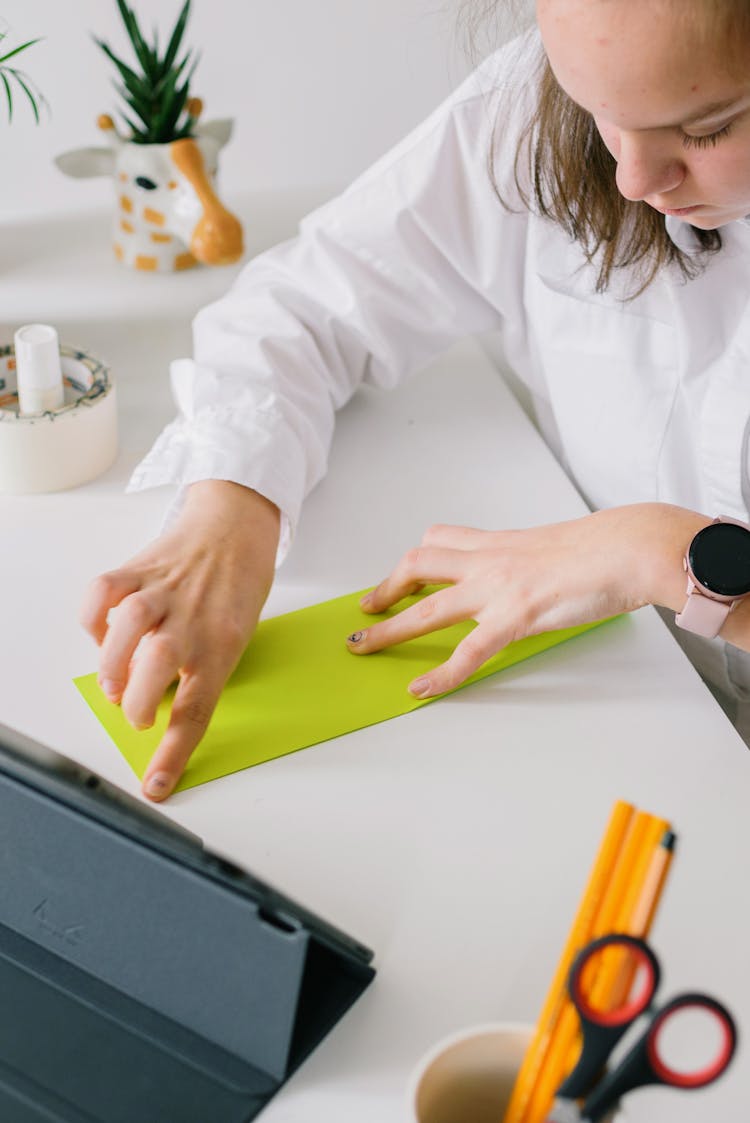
(456,840)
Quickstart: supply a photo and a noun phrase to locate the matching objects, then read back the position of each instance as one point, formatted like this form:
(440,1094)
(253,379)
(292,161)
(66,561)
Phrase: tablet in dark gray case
(144,979)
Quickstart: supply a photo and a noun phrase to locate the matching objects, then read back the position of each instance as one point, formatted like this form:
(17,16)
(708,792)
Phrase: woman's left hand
(518,583)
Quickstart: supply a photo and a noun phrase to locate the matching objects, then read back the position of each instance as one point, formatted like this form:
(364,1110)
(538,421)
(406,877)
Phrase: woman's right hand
(194,597)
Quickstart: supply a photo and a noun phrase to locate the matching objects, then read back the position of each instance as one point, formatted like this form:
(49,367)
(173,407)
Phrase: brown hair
(564,169)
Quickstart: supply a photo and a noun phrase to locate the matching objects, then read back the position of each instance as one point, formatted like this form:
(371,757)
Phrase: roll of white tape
(63,447)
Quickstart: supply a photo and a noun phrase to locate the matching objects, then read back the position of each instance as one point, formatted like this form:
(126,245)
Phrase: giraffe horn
(106,125)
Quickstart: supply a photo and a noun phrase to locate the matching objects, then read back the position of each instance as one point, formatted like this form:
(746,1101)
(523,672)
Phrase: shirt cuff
(244,442)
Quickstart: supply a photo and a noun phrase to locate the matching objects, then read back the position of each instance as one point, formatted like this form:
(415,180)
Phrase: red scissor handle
(713,1068)
(602,1029)
(647,973)
(645,1065)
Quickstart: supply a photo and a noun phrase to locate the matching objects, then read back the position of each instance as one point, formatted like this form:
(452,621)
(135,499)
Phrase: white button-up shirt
(642,400)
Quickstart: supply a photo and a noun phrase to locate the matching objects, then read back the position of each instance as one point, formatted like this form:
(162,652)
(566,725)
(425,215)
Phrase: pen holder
(59,448)
(469,1076)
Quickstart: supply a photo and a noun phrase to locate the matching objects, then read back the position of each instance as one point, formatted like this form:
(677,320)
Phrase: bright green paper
(298,684)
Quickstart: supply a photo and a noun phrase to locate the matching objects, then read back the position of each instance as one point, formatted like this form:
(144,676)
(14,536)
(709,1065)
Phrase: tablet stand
(143,978)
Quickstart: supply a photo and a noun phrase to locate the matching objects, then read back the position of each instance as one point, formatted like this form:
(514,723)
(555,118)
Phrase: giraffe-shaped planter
(168,215)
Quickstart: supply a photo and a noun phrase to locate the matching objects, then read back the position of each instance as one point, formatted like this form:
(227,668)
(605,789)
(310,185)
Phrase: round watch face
(719,557)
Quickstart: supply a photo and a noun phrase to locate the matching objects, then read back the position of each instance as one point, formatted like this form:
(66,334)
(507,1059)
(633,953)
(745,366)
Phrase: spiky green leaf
(137,95)
(139,134)
(176,71)
(170,125)
(172,104)
(129,77)
(141,48)
(155,49)
(174,43)
(141,108)
(158,95)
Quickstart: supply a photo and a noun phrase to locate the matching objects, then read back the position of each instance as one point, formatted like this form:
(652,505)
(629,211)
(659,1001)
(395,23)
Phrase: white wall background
(319,88)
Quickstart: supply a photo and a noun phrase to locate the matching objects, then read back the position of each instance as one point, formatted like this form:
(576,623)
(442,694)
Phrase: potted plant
(11,76)
(163,161)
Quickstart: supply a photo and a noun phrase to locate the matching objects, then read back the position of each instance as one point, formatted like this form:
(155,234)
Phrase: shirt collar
(684,237)
(682,234)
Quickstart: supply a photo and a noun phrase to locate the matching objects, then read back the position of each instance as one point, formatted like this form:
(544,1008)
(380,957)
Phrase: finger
(193,705)
(438,610)
(479,646)
(422,566)
(103,594)
(370,602)
(136,616)
(456,537)
(152,672)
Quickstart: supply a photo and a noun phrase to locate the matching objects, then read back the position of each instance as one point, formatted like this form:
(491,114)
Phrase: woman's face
(668,109)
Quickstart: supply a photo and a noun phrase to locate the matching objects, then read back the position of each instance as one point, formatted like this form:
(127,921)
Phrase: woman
(615,262)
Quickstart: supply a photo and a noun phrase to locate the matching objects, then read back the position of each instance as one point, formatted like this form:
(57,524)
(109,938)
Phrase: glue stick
(38,369)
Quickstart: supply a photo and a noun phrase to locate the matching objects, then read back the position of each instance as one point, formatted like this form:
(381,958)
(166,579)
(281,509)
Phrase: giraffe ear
(220,130)
(84,163)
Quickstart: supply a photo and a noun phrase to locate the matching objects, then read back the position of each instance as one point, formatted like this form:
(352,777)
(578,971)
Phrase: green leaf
(127,75)
(176,105)
(137,90)
(142,109)
(181,99)
(174,43)
(176,71)
(166,114)
(157,96)
(20,79)
(9,96)
(138,133)
(17,50)
(140,46)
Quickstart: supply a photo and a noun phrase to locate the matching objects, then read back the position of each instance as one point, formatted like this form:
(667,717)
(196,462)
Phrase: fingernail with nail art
(160,784)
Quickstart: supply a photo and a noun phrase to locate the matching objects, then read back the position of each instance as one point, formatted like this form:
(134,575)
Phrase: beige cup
(468,1077)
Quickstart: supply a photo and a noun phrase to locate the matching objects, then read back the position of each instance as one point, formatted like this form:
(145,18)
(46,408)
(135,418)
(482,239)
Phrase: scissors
(644,1063)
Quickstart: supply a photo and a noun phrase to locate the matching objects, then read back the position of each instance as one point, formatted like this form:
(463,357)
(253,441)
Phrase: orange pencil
(641,917)
(637,843)
(562,1052)
(653,886)
(580,933)
(614,967)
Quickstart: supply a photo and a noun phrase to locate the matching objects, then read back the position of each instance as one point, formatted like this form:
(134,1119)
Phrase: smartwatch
(717,564)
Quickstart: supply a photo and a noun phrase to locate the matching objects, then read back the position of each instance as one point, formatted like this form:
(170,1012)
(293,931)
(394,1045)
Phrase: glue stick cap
(38,369)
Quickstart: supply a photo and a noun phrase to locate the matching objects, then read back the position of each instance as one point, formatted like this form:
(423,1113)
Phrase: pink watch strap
(701,614)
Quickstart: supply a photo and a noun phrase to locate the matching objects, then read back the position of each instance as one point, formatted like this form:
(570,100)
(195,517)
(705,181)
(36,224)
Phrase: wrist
(657,537)
(225,496)
(223,507)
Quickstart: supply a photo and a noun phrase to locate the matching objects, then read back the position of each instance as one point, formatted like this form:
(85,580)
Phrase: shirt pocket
(611,376)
